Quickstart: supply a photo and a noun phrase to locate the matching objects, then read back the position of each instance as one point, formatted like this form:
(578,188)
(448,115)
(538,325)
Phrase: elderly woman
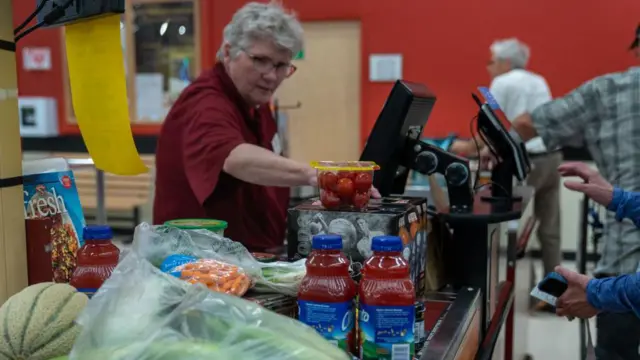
(218,153)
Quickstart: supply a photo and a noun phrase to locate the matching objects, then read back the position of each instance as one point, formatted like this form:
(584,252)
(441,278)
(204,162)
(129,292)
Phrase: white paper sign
(36,58)
(150,93)
(385,67)
(276,145)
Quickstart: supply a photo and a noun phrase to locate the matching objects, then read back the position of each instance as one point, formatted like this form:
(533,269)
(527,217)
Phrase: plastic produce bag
(158,243)
(281,277)
(141,313)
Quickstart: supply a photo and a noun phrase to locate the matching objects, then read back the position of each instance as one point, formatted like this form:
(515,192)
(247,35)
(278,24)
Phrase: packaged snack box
(53,218)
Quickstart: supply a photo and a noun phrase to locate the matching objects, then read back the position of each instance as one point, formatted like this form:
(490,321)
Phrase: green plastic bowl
(215,226)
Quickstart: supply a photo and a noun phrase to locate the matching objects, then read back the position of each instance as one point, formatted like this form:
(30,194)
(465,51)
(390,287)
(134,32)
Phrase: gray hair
(260,21)
(512,50)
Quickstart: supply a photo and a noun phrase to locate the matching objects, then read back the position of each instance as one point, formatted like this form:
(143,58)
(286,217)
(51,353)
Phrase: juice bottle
(325,298)
(96,259)
(387,303)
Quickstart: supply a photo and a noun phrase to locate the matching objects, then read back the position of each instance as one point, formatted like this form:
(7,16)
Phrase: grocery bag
(158,243)
(141,313)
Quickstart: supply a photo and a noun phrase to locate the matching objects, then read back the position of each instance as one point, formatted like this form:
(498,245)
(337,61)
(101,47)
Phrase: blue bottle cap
(386,243)
(97,232)
(327,242)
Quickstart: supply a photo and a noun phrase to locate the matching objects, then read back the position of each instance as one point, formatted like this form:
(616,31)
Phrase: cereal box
(53,218)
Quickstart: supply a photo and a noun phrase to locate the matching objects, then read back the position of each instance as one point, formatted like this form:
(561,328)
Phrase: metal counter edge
(447,341)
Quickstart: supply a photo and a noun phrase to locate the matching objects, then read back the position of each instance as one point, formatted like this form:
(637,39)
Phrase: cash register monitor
(395,145)
(510,149)
(402,118)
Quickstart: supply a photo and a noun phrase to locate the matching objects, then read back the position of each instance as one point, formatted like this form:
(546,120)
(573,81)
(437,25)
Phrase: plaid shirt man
(604,114)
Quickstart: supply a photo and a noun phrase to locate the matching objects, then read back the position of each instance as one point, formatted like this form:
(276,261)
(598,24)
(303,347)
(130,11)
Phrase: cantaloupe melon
(38,322)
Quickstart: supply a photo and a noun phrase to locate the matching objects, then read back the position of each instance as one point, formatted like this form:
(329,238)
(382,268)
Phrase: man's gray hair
(262,21)
(512,50)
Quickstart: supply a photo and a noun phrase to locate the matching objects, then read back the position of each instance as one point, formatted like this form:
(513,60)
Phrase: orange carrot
(217,276)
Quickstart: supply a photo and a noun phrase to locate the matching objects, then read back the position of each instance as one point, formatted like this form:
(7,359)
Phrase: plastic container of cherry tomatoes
(345,185)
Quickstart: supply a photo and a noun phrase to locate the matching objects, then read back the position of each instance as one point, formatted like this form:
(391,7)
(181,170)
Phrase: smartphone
(553,284)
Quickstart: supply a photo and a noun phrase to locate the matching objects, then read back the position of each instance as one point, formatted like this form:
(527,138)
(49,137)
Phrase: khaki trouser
(546,180)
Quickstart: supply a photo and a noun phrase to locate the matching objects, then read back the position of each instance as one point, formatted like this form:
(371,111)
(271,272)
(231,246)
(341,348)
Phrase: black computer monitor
(511,150)
(394,144)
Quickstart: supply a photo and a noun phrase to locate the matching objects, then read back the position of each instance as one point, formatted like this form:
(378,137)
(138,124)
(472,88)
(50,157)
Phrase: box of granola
(53,218)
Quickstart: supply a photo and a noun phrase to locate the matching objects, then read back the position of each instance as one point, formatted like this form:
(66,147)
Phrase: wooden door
(326,126)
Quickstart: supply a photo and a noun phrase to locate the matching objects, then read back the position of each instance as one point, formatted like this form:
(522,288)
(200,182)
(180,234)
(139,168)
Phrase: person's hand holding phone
(574,303)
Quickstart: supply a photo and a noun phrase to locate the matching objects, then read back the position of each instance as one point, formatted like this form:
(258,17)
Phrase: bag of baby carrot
(216,275)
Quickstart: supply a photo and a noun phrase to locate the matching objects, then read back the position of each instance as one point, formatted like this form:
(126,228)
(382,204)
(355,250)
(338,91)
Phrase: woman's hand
(312,176)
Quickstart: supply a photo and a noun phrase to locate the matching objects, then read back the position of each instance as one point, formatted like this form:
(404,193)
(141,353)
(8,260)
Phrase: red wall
(445,44)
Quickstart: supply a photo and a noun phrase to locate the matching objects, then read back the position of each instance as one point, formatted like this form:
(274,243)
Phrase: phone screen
(553,287)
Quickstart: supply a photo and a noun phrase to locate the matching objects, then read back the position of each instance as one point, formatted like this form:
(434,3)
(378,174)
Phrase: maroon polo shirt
(208,120)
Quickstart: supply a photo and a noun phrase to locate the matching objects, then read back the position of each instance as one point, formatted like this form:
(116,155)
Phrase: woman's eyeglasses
(265,65)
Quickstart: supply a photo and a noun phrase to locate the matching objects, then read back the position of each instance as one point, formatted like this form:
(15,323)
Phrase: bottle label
(386,332)
(88,291)
(334,321)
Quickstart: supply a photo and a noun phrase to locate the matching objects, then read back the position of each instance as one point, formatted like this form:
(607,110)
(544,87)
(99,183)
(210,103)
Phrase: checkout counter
(459,327)
(463,322)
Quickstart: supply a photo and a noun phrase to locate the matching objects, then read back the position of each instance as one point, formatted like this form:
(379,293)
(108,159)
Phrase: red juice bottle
(327,292)
(96,260)
(387,303)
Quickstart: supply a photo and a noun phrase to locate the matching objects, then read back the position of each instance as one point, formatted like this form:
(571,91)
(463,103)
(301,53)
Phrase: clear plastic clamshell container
(345,185)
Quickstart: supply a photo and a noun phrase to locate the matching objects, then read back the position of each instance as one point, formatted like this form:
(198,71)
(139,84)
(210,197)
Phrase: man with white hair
(519,91)
(218,154)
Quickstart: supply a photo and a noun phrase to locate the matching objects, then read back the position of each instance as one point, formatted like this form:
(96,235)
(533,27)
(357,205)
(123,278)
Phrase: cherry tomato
(361,200)
(345,188)
(346,175)
(329,181)
(363,181)
(329,199)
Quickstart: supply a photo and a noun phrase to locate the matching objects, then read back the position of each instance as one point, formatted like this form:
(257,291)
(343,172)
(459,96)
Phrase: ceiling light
(163,28)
